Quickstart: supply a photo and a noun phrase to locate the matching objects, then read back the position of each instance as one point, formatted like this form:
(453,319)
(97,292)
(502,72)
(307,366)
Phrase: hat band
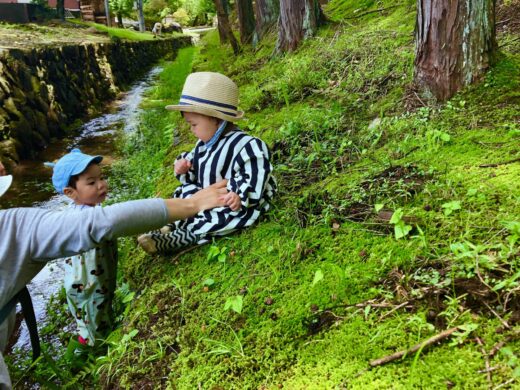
(205,101)
(210,108)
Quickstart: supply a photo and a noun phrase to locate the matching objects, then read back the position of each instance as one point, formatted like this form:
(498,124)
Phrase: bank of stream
(32,180)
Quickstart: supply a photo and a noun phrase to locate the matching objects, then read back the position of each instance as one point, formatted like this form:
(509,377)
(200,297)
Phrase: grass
(115,32)
(325,285)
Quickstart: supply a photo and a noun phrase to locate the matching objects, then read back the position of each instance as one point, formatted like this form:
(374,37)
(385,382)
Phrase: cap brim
(80,168)
(206,111)
(5,183)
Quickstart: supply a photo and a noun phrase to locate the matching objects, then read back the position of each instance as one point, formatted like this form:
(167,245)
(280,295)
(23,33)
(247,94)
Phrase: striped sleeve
(190,177)
(251,171)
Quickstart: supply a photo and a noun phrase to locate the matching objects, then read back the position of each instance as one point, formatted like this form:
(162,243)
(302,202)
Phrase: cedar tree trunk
(246,21)
(455,44)
(267,12)
(225,32)
(60,9)
(299,19)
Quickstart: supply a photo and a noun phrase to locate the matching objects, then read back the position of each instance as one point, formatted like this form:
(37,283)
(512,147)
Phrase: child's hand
(233,201)
(182,166)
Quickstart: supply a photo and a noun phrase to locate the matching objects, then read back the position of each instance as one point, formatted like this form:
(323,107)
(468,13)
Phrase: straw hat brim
(206,111)
(5,183)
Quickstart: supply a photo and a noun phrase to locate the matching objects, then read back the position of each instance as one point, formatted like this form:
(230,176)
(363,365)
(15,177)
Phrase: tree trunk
(454,44)
(267,12)
(140,15)
(246,22)
(60,9)
(299,19)
(226,34)
(107,14)
(120,20)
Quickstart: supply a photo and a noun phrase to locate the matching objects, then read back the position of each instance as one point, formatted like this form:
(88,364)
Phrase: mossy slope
(325,285)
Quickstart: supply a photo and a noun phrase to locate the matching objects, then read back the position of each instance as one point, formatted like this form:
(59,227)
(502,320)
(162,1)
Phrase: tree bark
(299,19)
(120,20)
(455,44)
(246,22)
(60,9)
(140,15)
(267,12)
(225,32)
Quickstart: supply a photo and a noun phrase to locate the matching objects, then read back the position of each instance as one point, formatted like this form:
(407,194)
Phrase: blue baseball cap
(70,165)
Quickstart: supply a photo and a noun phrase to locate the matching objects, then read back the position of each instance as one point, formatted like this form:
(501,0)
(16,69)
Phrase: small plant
(318,276)
(401,229)
(216,253)
(234,303)
(450,207)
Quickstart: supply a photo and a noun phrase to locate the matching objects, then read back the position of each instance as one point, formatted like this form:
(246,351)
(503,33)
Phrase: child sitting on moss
(209,104)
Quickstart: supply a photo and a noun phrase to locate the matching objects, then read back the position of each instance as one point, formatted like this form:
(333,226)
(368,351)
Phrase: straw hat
(211,94)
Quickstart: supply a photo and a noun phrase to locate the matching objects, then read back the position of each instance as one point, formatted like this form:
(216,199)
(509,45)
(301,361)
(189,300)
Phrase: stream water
(32,181)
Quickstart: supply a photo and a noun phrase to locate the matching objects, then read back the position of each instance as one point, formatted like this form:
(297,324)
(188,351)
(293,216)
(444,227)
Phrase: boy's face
(202,126)
(91,187)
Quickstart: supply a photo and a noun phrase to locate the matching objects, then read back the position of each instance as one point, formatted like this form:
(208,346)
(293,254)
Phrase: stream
(32,181)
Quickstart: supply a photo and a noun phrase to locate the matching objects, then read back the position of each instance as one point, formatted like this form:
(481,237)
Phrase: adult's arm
(42,234)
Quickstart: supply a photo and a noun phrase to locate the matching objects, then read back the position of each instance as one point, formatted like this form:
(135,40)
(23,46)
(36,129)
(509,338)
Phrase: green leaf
(213,252)
(235,303)
(318,275)
(222,258)
(378,207)
(396,216)
(208,282)
(472,192)
(401,230)
(450,207)
(445,137)
(129,297)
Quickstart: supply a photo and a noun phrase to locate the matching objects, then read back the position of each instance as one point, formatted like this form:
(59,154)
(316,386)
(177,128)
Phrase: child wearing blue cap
(90,278)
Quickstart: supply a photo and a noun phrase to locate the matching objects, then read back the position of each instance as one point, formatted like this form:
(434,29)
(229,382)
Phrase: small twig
(417,96)
(391,311)
(486,358)
(507,43)
(499,345)
(506,325)
(505,383)
(490,369)
(191,248)
(499,163)
(502,21)
(415,348)
(373,11)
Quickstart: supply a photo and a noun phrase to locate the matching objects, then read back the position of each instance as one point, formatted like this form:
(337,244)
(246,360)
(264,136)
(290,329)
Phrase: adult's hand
(3,171)
(207,198)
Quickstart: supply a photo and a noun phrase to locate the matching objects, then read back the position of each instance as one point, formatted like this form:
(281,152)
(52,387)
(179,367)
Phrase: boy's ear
(70,192)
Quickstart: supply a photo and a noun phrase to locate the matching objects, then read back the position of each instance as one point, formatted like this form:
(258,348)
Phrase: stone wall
(43,91)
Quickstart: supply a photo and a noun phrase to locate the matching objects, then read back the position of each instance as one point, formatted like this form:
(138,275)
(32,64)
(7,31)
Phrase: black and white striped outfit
(244,161)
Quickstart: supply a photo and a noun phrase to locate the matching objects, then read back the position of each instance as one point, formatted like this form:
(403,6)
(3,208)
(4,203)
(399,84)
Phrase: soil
(28,36)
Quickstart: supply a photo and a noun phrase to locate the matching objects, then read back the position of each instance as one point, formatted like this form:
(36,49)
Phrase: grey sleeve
(64,233)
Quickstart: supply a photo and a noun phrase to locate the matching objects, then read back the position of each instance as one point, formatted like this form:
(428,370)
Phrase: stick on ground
(415,348)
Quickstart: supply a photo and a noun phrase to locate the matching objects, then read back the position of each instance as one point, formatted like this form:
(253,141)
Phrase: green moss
(315,108)
(326,286)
